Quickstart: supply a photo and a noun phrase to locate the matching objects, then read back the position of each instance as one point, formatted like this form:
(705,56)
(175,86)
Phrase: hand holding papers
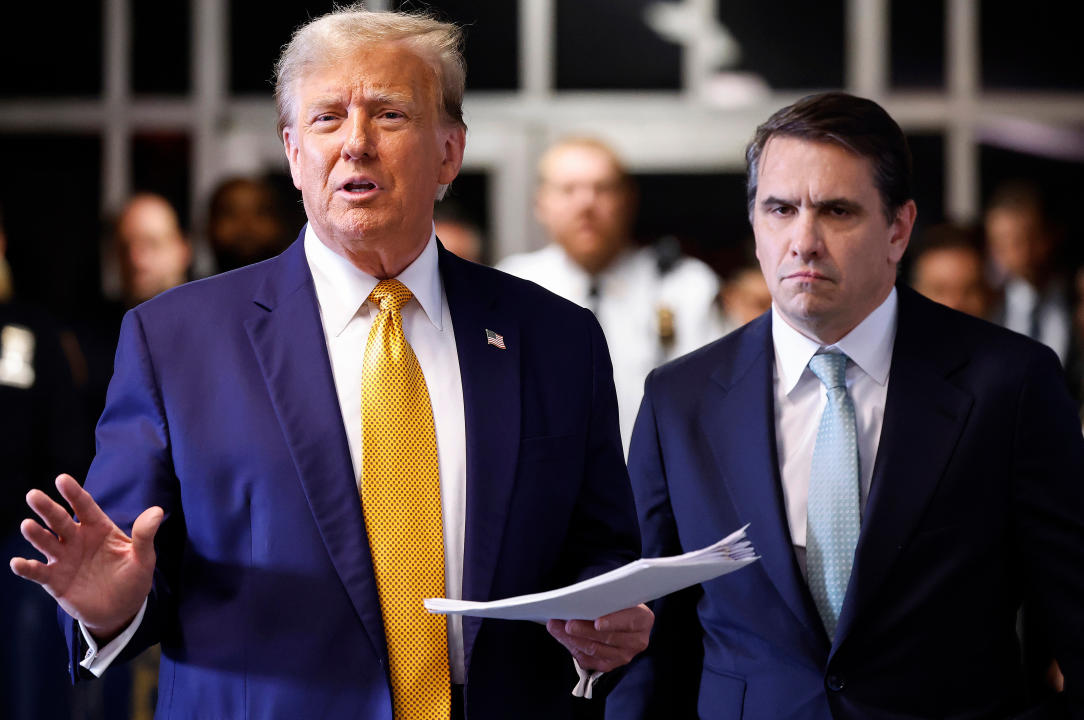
(640,581)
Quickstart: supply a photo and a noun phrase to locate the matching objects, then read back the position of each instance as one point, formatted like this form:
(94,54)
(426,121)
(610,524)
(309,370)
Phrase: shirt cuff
(586,685)
(98,659)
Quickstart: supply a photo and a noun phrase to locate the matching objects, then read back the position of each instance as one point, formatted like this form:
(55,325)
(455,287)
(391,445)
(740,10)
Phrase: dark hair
(856,124)
(948,236)
(1018,195)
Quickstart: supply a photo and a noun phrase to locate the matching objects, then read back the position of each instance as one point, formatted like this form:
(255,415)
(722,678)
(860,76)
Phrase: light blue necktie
(833,518)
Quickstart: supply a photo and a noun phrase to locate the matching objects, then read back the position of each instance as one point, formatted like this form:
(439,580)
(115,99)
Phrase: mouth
(805,275)
(359,186)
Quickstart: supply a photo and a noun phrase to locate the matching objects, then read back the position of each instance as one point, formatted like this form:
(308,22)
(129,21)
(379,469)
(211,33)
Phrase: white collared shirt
(1049,309)
(342,292)
(632,294)
(800,399)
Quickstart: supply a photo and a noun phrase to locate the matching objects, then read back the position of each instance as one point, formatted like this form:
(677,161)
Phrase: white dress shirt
(631,294)
(342,293)
(1048,311)
(800,399)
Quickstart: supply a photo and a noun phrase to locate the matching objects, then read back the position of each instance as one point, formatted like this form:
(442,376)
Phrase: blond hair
(586,142)
(335,35)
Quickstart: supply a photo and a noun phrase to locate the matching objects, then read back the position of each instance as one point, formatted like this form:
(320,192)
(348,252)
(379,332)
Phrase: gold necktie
(400,494)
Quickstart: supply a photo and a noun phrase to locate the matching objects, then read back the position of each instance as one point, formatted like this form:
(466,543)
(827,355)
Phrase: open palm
(97,574)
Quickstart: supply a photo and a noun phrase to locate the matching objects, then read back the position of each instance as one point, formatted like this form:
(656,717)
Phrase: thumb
(146,525)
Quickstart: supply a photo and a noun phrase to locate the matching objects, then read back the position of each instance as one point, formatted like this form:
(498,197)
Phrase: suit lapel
(745,453)
(924,415)
(491,404)
(289,345)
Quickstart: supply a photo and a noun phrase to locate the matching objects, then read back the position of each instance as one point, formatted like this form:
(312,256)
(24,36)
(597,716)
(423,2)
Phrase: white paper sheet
(638,582)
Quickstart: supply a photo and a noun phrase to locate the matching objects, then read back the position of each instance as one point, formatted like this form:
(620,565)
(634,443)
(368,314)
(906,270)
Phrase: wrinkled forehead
(387,67)
(789,161)
(575,163)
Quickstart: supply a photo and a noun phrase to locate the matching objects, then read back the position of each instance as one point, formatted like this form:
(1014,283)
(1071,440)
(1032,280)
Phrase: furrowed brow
(841,203)
(382,96)
(773,200)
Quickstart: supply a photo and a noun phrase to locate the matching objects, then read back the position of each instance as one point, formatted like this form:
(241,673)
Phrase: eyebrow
(382,96)
(844,203)
(840,202)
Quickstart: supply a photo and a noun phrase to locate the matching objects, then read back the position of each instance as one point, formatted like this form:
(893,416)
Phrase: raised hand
(97,574)
(610,641)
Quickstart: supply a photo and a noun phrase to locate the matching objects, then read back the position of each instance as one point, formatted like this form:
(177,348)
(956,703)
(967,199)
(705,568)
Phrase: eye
(781,210)
(839,211)
(392,115)
(324,117)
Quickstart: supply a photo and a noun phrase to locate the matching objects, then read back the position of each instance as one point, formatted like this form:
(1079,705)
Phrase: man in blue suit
(239,431)
(910,474)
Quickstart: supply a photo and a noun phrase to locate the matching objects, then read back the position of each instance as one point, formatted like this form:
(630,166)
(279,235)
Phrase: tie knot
(390,295)
(830,369)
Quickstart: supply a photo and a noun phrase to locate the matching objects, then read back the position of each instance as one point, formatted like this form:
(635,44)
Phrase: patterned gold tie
(400,493)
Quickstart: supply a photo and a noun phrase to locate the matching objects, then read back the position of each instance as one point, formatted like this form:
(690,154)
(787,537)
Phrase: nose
(359,142)
(584,196)
(807,242)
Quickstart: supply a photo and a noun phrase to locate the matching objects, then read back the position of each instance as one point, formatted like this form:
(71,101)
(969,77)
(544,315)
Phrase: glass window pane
(1034,48)
(928,153)
(917,36)
(55,264)
(161,34)
(42,57)
(160,164)
(603,44)
(492,39)
(790,43)
(257,34)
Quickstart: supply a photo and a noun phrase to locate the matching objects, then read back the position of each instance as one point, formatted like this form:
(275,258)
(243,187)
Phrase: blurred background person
(40,434)
(948,266)
(457,231)
(153,252)
(744,294)
(1023,244)
(1075,365)
(245,223)
(653,304)
(152,255)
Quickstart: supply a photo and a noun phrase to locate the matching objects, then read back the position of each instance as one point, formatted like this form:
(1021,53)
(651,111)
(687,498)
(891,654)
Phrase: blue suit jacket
(977,501)
(223,411)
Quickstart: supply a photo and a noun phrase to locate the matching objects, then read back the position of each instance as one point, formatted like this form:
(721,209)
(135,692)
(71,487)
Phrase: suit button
(835,683)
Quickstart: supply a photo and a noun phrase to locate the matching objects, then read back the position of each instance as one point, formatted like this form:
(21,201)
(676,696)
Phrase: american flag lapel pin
(495,339)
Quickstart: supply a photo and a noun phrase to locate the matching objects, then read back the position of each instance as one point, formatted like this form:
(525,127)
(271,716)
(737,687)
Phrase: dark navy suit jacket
(223,411)
(977,502)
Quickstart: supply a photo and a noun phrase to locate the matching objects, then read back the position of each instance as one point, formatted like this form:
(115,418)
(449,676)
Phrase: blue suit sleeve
(1048,460)
(603,532)
(664,680)
(132,471)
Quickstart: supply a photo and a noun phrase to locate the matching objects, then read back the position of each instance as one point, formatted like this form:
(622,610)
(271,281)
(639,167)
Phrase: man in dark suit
(474,413)
(903,506)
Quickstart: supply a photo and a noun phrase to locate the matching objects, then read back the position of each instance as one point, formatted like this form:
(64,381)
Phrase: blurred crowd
(53,382)
(654,299)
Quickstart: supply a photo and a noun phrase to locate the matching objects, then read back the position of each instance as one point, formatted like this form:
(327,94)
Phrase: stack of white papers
(638,582)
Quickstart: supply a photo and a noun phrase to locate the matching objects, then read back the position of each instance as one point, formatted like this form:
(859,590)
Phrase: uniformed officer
(653,303)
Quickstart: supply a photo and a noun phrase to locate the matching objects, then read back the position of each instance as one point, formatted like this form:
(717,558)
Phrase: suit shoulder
(944,327)
(728,357)
(217,294)
(534,265)
(532,297)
